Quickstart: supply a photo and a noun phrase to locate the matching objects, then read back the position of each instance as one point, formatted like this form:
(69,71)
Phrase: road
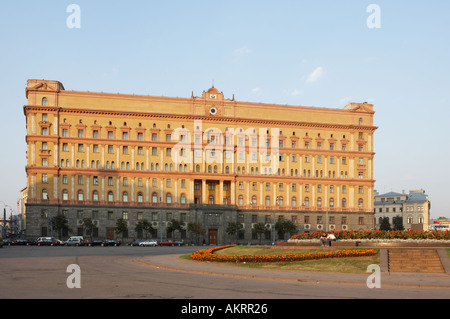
(33,272)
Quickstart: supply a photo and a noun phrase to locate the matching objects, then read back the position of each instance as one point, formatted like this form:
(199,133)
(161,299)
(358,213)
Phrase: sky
(322,53)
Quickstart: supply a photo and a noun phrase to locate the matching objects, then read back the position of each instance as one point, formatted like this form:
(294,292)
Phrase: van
(75,241)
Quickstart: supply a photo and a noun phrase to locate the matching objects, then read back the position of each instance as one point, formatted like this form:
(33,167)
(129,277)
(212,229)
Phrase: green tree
(121,227)
(197,229)
(385,225)
(285,226)
(259,229)
(233,228)
(60,224)
(87,226)
(173,226)
(398,223)
(145,226)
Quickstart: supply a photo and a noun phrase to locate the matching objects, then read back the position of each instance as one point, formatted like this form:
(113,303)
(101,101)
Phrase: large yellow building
(205,158)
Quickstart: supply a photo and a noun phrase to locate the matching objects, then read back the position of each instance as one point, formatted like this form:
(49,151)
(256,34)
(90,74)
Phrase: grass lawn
(448,252)
(343,265)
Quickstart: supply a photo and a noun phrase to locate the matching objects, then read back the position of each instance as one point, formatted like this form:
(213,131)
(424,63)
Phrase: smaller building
(414,208)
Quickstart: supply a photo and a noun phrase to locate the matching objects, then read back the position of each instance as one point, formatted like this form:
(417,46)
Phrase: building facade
(414,208)
(205,159)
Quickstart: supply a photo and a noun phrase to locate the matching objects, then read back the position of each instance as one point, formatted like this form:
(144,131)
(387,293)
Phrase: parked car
(48,241)
(135,242)
(170,242)
(97,242)
(149,242)
(1,241)
(111,242)
(20,242)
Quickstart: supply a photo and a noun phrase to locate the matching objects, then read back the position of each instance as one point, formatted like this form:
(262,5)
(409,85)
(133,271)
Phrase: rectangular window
(95,134)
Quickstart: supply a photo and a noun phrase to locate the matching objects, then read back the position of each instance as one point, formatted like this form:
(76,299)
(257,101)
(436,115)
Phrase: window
(65,132)
(125,197)
(169,198)
(211,200)
(110,135)
(80,195)
(183,199)
(44,101)
(360,203)
(241,200)
(125,215)
(124,135)
(65,194)
(268,201)
(331,202)
(95,196)
(154,198)
(306,202)
(253,200)
(140,198)
(294,202)
(44,194)
(344,203)
(80,133)
(319,201)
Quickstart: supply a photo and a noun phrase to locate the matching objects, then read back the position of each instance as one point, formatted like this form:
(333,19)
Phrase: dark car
(97,242)
(20,242)
(111,242)
(171,242)
(136,242)
(49,242)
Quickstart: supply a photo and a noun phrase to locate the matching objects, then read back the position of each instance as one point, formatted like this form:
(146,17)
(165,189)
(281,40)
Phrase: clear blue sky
(312,53)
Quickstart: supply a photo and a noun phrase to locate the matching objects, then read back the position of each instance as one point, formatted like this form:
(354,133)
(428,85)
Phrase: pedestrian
(330,238)
(323,239)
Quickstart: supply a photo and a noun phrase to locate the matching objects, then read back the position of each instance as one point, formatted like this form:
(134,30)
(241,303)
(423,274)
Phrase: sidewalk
(173,263)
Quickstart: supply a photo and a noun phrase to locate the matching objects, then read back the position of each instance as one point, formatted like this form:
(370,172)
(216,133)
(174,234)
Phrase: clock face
(213,111)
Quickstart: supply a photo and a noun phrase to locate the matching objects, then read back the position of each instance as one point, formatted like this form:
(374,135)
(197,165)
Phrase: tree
(398,223)
(259,229)
(197,229)
(121,226)
(385,225)
(88,226)
(144,226)
(60,223)
(285,226)
(233,228)
(174,225)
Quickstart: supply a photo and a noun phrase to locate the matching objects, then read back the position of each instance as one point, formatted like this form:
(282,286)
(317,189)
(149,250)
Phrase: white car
(150,242)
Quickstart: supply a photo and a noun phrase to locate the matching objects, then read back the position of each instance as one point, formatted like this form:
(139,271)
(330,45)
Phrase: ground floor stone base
(213,218)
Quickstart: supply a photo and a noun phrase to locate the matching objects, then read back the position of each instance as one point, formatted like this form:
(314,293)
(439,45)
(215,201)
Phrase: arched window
(140,198)
(280,201)
(227,170)
(169,198)
(110,196)
(241,200)
(44,194)
(80,195)
(306,201)
(44,101)
(268,201)
(254,200)
(197,169)
(319,201)
(360,203)
(211,200)
(294,201)
(360,122)
(154,198)
(125,197)
(331,202)
(95,196)
(65,194)
(344,203)
(209,169)
(183,199)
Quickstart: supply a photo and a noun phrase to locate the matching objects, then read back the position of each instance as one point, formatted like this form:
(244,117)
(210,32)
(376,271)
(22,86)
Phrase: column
(221,192)
(204,201)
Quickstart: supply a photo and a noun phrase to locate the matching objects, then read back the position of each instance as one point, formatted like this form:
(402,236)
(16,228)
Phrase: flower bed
(208,255)
(378,235)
